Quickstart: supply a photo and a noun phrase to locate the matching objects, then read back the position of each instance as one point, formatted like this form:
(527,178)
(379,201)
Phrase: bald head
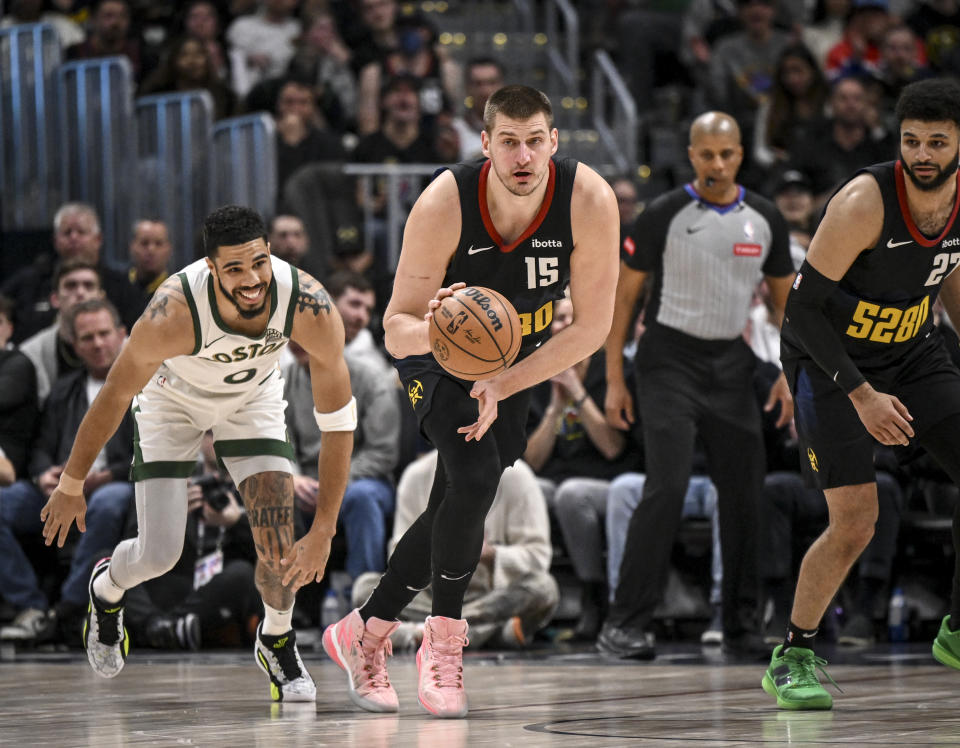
(714,123)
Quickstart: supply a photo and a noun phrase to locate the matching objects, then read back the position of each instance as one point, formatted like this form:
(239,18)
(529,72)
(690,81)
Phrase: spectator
(52,350)
(109,35)
(793,196)
(209,597)
(99,335)
(261,45)
(369,497)
(511,594)
(324,60)
(627,203)
(35,11)
(76,233)
(150,251)
(898,67)
(858,53)
(484,76)
(796,103)
(356,301)
(417,55)
(742,65)
(302,136)
(825,29)
(377,34)
(18,401)
(201,20)
(575,454)
(288,239)
(937,23)
(187,66)
(838,146)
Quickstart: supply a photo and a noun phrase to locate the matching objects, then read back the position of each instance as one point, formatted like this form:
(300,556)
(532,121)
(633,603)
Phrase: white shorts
(171,416)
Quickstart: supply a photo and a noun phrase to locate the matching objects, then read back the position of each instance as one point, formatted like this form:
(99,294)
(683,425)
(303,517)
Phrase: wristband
(71,486)
(344,419)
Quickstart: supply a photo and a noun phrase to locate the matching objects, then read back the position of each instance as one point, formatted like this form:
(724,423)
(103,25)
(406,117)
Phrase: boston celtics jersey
(882,306)
(224,360)
(532,271)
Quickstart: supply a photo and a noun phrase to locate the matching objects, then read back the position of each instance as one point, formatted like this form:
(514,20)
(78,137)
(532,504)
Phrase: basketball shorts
(171,416)
(509,428)
(835,447)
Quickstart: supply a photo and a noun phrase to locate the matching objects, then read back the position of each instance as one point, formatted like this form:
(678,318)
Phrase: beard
(245,313)
(941,177)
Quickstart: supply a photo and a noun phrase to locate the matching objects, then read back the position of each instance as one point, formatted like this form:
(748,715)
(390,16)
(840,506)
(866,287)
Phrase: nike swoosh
(694,229)
(214,341)
(473,250)
(891,243)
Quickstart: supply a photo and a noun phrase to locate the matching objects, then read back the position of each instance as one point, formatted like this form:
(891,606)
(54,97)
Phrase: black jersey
(882,307)
(532,271)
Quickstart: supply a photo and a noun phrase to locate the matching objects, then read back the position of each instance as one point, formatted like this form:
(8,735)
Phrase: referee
(706,246)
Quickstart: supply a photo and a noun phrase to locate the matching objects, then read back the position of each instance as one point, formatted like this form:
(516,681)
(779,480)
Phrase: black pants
(790,509)
(442,547)
(687,387)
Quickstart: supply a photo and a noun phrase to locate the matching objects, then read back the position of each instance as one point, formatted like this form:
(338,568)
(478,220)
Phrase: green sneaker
(792,679)
(946,647)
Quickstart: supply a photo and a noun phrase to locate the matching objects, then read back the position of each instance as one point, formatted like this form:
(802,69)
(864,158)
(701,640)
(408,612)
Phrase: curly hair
(930,100)
(230,225)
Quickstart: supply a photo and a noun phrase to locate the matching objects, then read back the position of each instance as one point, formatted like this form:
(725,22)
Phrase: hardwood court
(688,697)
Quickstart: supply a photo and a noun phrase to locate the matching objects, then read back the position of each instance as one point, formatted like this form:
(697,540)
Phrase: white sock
(276,622)
(106,589)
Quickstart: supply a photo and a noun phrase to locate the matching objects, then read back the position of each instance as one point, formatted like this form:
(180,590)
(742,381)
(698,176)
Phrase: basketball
(475,333)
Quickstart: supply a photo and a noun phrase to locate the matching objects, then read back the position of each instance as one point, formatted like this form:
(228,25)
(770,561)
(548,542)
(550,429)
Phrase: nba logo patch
(796,282)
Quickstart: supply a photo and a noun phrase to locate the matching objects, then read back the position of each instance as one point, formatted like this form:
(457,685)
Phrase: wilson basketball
(475,333)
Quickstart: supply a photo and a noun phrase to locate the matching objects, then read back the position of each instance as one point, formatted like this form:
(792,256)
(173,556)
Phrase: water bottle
(330,610)
(897,616)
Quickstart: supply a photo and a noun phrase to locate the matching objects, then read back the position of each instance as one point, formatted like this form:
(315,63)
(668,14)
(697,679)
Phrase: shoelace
(288,661)
(375,651)
(447,655)
(108,625)
(808,667)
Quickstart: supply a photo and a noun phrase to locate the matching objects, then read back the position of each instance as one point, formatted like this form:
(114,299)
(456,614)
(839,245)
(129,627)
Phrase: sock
(798,637)
(389,597)
(106,590)
(276,622)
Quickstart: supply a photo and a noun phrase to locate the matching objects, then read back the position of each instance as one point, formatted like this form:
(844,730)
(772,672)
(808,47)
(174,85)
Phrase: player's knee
(854,534)
(160,558)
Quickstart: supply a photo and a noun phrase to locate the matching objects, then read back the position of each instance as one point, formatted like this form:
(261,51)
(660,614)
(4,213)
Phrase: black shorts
(835,447)
(429,393)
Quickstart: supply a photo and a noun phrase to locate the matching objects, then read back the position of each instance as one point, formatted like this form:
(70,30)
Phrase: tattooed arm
(318,329)
(164,330)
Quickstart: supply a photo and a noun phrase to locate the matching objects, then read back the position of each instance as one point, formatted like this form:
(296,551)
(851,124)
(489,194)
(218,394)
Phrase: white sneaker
(104,636)
(278,657)
(29,624)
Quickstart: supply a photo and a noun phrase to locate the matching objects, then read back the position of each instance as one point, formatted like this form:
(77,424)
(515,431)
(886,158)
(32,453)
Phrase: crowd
(809,92)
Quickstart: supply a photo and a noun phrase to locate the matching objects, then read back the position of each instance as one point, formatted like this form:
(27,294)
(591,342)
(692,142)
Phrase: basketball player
(866,363)
(526,225)
(706,245)
(204,356)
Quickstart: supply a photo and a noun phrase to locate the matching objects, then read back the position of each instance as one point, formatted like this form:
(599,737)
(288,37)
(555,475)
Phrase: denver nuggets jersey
(224,360)
(882,307)
(532,271)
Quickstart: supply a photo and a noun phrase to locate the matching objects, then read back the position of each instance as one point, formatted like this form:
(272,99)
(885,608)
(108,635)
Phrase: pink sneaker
(440,667)
(362,651)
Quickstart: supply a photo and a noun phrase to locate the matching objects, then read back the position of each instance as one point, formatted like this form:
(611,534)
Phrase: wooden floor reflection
(684,698)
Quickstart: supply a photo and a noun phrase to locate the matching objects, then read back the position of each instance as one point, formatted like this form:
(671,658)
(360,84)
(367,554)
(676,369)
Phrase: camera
(216,491)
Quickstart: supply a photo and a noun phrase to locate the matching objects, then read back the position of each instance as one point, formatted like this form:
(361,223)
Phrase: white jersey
(223,360)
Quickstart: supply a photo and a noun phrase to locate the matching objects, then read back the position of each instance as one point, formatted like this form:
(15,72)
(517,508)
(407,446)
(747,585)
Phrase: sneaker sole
(332,647)
(944,656)
(795,706)
(442,715)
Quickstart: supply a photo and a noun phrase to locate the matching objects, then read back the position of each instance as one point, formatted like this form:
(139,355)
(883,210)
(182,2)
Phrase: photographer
(210,595)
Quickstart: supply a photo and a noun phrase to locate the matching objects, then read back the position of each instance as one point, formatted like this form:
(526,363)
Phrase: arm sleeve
(808,323)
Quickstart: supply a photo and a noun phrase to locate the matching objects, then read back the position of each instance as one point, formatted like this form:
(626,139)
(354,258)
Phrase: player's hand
(307,560)
(439,296)
(884,416)
(487,395)
(780,393)
(60,511)
(618,405)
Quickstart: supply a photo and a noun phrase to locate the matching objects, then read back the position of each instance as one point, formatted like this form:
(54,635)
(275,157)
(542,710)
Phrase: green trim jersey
(223,360)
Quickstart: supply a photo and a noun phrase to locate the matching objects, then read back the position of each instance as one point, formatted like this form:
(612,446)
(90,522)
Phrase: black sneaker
(104,636)
(626,643)
(857,632)
(277,656)
(169,632)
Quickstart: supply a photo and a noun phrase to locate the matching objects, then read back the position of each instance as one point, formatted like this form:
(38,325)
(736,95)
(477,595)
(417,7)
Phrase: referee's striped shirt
(706,259)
